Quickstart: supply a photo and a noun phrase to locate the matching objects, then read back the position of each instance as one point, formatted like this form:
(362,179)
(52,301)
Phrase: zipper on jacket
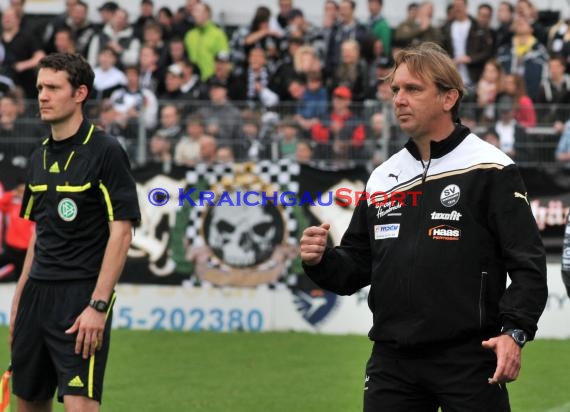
(482,293)
(418,234)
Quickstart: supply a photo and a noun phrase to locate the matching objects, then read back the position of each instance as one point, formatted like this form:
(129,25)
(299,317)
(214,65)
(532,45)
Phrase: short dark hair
(77,68)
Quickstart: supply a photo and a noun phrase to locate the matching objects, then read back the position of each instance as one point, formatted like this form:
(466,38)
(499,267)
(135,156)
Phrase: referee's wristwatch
(519,336)
(99,305)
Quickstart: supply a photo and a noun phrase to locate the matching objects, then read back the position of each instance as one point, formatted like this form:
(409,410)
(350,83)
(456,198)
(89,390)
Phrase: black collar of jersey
(77,139)
(443,147)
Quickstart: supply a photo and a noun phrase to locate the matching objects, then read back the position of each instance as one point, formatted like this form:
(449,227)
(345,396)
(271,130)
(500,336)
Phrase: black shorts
(453,378)
(43,355)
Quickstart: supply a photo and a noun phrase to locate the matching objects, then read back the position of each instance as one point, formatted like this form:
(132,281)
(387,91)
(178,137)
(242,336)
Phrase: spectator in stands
(166,20)
(258,34)
(377,138)
(559,40)
(225,155)
(488,88)
(352,71)
(469,45)
(81,28)
(208,149)
(184,18)
(187,150)
(146,15)
(57,21)
(484,18)
(402,32)
(106,13)
(108,77)
(554,95)
(525,55)
(328,27)
(192,87)
(118,36)
(504,34)
(304,152)
(379,26)
(25,18)
(18,233)
(173,80)
(562,153)
(223,119)
(152,36)
(348,29)
(22,53)
(205,40)
(278,23)
(176,50)
(261,92)
(342,135)
(420,29)
(63,41)
(287,69)
(491,137)
(512,135)
(166,136)
(14,126)
(251,145)
(306,60)
(527,10)
(288,137)
(300,28)
(313,106)
(151,74)
(224,73)
(514,86)
(134,104)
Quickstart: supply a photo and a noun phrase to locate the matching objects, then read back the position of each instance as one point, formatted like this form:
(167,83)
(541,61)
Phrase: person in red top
(342,135)
(514,86)
(16,237)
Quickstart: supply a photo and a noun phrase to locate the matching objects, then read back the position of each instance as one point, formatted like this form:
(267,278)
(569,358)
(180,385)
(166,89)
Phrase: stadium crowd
(177,88)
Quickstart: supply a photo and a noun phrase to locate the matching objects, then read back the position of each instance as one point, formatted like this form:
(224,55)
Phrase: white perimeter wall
(263,309)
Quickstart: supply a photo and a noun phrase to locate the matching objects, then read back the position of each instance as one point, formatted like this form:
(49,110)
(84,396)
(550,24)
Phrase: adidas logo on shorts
(76,382)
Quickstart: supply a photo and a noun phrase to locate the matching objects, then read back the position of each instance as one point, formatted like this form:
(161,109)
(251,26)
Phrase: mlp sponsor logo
(453,215)
(386,231)
(444,232)
(450,195)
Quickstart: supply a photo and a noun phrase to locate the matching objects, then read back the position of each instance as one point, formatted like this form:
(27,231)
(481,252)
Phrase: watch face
(519,336)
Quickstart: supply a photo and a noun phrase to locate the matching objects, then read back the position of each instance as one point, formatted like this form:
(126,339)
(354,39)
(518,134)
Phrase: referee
(82,196)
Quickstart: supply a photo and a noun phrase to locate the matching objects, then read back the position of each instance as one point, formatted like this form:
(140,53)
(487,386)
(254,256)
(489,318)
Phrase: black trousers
(454,378)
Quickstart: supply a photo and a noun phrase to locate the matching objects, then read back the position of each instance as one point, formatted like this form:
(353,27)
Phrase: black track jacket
(438,270)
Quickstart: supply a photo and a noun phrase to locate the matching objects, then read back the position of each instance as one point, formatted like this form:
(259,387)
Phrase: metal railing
(253,132)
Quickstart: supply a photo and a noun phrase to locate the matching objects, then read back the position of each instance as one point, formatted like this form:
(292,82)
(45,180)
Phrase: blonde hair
(430,62)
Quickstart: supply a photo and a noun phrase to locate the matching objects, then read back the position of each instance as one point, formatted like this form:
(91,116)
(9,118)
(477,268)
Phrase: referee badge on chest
(67,209)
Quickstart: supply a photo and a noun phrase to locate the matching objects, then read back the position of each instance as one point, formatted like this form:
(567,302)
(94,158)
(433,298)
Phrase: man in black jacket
(447,331)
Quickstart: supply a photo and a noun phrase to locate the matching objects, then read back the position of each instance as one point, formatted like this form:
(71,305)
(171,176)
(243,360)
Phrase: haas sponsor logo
(444,232)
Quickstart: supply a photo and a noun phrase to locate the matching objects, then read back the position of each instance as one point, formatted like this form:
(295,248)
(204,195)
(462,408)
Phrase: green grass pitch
(279,372)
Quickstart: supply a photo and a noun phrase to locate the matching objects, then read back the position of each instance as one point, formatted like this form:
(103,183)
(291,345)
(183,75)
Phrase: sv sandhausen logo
(453,215)
(444,232)
(450,195)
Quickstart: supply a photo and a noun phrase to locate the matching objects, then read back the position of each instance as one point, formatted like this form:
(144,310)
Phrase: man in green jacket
(204,41)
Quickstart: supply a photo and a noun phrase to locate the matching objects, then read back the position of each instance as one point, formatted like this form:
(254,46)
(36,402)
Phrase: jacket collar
(443,147)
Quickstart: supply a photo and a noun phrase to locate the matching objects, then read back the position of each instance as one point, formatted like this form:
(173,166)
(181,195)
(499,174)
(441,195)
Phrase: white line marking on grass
(561,408)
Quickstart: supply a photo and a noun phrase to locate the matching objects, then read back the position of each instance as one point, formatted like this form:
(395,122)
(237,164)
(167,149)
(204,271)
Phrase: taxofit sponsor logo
(343,197)
(453,215)
(444,232)
(386,231)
